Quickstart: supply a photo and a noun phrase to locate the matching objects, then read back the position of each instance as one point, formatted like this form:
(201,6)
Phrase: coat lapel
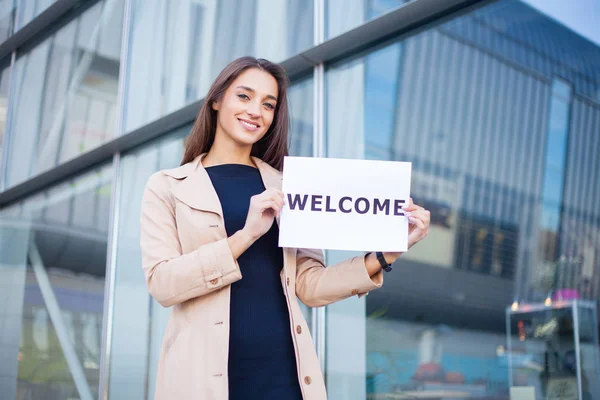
(196,189)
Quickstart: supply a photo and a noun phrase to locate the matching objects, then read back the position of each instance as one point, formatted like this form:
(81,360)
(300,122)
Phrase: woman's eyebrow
(252,91)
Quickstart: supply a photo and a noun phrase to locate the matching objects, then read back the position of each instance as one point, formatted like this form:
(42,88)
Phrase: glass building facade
(495,103)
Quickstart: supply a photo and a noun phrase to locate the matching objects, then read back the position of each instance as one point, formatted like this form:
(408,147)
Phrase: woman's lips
(250,126)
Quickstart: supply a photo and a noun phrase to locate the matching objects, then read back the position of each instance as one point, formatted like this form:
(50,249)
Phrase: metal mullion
(318,320)
(113,228)
(318,314)
(318,22)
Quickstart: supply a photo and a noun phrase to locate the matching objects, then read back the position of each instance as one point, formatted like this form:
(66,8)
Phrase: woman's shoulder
(162,181)
(266,167)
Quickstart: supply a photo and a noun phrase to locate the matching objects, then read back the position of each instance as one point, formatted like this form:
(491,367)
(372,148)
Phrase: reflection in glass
(28,10)
(344,15)
(300,98)
(179,46)
(52,272)
(7,18)
(555,349)
(505,157)
(66,93)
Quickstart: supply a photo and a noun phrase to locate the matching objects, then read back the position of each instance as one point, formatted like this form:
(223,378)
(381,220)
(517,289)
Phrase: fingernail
(411,220)
(407,213)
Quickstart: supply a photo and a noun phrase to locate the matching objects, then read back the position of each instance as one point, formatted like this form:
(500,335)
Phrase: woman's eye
(243,96)
(270,106)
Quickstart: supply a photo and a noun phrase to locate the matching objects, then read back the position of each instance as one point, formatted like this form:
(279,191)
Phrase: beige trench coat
(188,266)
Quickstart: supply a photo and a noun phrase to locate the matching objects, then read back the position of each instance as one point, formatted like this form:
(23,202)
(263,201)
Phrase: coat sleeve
(173,277)
(318,286)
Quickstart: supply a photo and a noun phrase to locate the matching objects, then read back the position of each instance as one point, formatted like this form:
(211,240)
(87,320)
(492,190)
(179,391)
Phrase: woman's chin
(247,138)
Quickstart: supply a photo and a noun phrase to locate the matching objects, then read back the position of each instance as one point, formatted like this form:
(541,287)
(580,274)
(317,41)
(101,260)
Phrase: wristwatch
(384,264)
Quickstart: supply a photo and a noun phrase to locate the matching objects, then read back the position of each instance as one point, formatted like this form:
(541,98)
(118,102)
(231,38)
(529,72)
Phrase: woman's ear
(215,105)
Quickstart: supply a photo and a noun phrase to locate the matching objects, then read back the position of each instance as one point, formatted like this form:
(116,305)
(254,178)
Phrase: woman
(209,248)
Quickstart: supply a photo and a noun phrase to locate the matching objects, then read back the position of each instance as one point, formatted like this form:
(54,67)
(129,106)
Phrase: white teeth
(249,125)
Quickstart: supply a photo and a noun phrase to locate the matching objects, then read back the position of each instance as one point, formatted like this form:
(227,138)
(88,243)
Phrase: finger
(273,194)
(276,198)
(410,206)
(422,214)
(414,209)
(417,222)
(269,204)
(418,207)
(415,206)
(270,194)
(274,191)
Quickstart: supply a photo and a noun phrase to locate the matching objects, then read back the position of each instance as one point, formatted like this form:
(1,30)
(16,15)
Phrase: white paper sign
(340,204)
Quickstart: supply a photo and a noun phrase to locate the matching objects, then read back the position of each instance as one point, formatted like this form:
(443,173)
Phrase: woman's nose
(254,109)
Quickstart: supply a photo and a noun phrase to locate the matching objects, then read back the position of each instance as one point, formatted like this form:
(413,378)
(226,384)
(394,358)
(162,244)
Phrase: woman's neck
(219,154)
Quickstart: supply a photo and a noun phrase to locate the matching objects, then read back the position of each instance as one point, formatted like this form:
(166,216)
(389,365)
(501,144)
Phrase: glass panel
(52,272)
(178,47)
(66,93)
(28,10)
(300,98)
(7,18)
(344,15)
(137,336)
(474,111)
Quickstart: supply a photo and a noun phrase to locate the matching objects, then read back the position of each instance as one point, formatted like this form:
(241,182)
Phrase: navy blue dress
(262,360)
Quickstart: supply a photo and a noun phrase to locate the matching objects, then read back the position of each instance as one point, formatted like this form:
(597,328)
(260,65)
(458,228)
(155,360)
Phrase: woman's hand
(418,227)
(418,219)
(264,208)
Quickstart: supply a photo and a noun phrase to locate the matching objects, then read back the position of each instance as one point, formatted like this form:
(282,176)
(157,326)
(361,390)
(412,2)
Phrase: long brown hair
(272,147)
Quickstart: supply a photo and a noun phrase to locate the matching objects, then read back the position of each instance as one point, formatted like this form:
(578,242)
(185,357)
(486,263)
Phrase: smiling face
(247,109)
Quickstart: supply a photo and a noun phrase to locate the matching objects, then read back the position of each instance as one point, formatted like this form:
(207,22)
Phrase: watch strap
(384,264)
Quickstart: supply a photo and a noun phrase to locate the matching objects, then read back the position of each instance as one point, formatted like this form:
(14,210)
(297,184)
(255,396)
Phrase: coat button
(287,281)
(307,380)
(214,281)
(354,292)
(299,329)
